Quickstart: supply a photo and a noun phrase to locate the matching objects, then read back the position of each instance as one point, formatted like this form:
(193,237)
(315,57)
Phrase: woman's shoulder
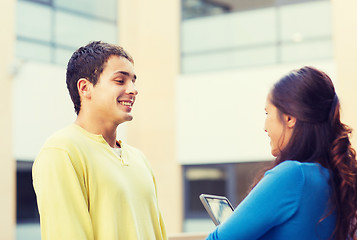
(287,168)
(299,170)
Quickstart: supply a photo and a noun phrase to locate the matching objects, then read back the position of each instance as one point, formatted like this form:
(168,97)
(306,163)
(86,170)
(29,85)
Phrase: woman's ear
(290,121)
(84,88)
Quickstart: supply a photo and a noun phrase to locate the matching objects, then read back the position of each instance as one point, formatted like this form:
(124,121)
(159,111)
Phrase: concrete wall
(7,169)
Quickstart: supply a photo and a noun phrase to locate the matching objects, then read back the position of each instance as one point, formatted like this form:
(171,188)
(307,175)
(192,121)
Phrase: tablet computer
(218,207)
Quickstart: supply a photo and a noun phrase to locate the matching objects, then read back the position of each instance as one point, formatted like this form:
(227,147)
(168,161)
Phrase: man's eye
(120,81)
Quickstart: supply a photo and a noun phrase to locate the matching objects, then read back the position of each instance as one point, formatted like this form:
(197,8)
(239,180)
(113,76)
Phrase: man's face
(113,96)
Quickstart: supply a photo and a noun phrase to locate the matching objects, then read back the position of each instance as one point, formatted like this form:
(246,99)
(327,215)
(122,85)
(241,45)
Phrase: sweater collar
(96,137)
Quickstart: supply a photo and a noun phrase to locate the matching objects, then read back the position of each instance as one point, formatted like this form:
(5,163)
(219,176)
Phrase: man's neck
(106,129)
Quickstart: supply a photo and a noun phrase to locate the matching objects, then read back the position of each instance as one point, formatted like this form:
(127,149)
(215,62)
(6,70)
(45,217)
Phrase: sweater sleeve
(61,197)
(273,201)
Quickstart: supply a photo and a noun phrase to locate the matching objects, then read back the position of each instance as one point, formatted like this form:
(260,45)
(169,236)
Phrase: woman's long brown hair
(319,136)
(344,179)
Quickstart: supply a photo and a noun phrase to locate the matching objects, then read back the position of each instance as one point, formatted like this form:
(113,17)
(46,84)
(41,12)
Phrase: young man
(88,184)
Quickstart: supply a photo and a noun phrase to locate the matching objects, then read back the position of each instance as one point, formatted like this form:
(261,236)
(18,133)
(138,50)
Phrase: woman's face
(279,129)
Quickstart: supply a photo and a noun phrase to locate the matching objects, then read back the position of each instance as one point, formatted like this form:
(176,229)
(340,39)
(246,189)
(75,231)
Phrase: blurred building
(204,68)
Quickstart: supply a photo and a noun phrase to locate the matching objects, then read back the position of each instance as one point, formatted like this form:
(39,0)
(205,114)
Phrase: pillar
(150,30)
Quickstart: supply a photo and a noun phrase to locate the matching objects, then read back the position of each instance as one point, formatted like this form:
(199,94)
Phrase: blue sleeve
(273,201)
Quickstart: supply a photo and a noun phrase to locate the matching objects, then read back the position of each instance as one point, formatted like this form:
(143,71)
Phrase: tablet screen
(218,207)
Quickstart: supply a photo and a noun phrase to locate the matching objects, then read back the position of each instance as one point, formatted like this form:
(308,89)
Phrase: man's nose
(132,89)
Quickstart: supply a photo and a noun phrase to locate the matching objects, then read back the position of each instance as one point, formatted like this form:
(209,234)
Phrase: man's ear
(84,88)
(290,121)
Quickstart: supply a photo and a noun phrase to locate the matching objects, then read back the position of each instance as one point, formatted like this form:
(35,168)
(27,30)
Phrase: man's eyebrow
(126,74)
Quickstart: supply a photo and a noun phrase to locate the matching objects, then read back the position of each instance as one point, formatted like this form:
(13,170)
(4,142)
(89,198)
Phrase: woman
(311,192)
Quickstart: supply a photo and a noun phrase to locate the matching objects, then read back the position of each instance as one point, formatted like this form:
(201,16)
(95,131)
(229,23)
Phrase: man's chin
(129,117)
(125,119)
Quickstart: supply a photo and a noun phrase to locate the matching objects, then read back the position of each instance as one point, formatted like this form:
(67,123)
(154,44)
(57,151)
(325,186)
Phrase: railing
(188,236)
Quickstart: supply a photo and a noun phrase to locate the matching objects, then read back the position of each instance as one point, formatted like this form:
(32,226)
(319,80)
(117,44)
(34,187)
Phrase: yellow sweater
(86,191)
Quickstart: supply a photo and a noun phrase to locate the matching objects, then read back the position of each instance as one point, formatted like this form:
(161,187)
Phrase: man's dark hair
(88,62)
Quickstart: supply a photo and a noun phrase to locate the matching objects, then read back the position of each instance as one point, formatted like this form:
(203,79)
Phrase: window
(209,179)
(51,30)
(200,8)
(232,180)
(25,195)
(250,33)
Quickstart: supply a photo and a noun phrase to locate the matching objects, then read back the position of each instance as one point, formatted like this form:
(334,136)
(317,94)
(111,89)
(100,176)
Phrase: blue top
(288,203)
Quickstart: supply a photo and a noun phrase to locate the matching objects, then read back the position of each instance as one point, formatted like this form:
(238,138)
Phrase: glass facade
(50,30)
(255,33)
